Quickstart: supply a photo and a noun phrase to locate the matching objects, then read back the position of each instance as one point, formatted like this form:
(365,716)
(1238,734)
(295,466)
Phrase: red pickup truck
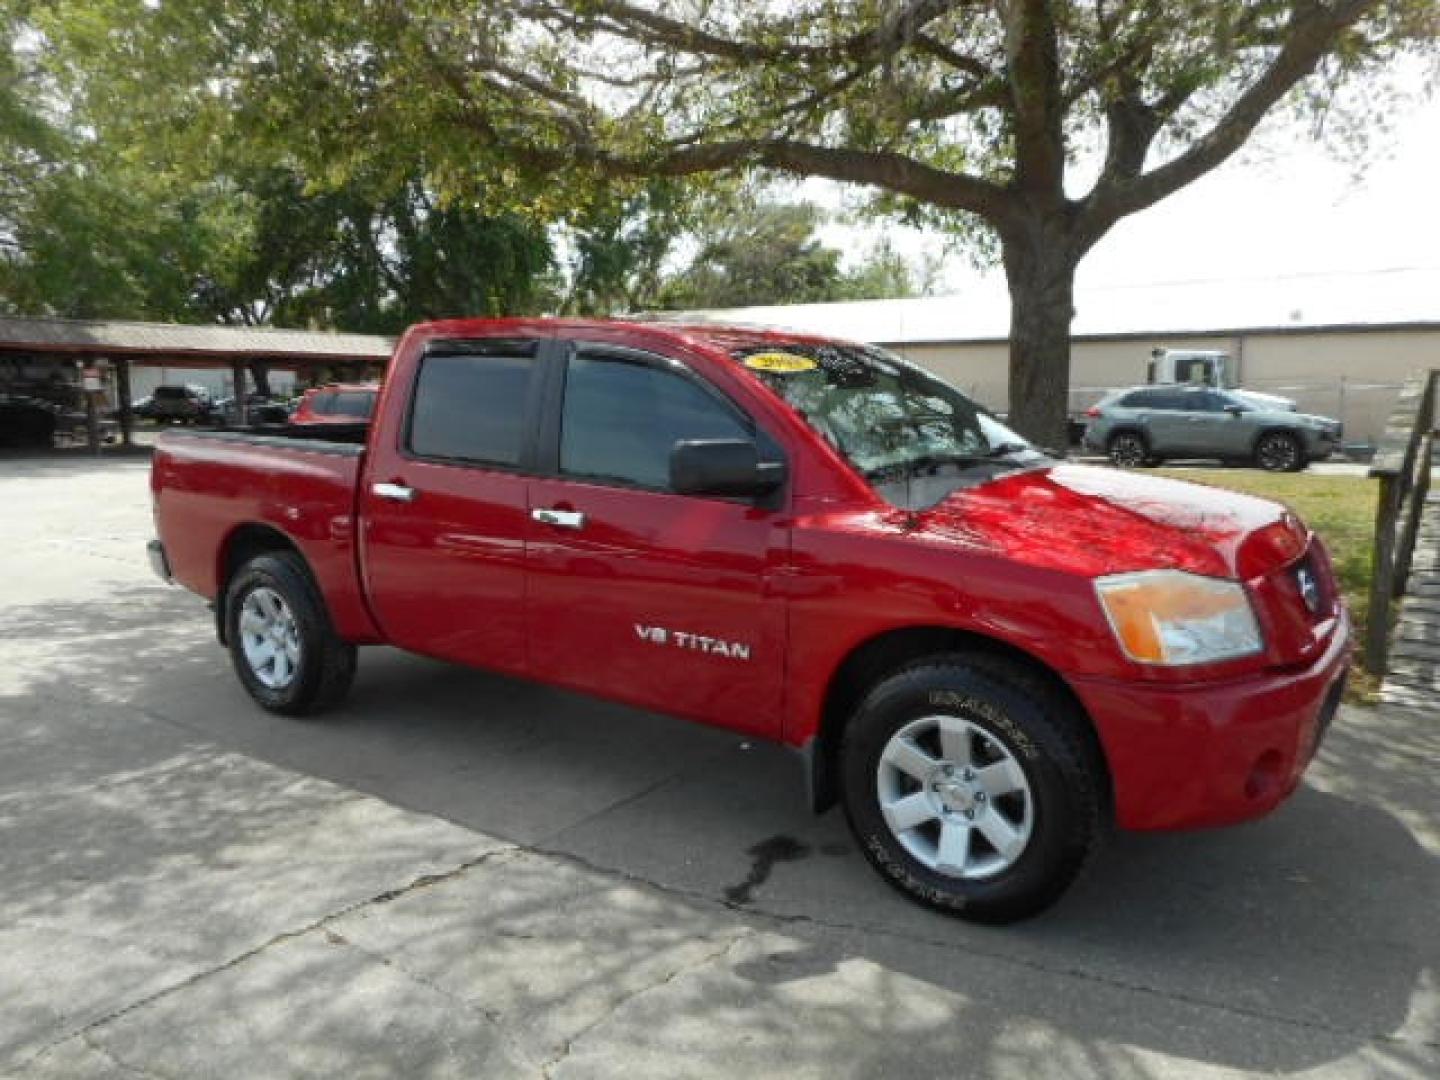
(988,655)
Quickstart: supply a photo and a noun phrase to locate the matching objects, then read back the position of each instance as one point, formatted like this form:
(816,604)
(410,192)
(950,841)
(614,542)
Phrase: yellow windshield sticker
(780,363)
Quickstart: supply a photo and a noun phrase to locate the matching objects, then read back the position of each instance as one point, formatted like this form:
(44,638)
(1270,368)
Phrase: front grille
(1297,629)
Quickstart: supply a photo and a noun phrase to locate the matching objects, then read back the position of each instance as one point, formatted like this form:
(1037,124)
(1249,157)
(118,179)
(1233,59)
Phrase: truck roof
(725,336)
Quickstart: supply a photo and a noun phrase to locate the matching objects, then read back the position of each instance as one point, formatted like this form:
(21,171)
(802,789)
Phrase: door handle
(394,492)
(565,519)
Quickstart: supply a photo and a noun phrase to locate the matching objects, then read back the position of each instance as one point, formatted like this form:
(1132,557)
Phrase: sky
(1286,206)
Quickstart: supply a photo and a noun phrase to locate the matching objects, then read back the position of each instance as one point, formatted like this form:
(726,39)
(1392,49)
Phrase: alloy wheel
(269,638)
(955,797)
(1127,451)
(1277,453)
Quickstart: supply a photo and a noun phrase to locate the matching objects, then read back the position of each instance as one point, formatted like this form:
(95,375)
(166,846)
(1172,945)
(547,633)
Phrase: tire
(1019,734)
(1279,451)
(273,602)
(1127,450)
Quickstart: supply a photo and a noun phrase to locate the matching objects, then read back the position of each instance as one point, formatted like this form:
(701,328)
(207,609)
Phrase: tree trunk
(1040,269)
(260,372)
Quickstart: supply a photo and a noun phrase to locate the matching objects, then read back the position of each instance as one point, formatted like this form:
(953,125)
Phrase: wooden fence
(1403,467)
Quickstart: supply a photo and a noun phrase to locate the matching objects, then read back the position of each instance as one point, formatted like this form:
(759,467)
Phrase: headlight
(1171,617)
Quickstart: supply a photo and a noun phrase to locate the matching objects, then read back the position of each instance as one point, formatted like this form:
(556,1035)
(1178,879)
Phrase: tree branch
(1311,35)
(892,34)
(977,69)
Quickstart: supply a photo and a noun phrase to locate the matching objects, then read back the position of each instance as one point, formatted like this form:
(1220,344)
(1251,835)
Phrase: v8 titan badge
(683,639)
(780,363)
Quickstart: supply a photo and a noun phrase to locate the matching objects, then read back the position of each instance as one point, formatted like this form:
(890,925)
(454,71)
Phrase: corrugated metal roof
(1371,299)
(173,339)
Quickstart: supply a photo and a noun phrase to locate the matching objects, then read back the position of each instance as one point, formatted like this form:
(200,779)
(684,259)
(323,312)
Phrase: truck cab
(1197,367)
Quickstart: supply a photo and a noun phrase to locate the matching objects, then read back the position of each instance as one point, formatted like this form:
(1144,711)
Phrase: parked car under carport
(26,422)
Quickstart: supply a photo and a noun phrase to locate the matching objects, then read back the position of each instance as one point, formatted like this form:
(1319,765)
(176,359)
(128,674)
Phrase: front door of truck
(445,505)
(639,594)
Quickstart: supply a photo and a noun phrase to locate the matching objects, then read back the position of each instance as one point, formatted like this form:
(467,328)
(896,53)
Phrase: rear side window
(357,403)
(470,408)
(1156,399)
(623,416)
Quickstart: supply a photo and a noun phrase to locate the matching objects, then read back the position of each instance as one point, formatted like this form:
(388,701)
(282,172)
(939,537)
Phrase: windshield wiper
(911,466)
(1005,449)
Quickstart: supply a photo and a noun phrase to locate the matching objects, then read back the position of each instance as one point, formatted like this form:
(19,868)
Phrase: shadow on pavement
(1277,946)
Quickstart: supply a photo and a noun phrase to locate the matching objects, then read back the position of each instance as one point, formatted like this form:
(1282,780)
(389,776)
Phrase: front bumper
(1214,753)
(159,561)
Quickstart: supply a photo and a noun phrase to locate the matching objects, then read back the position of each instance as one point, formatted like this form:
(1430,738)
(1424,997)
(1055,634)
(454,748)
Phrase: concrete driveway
(463,875)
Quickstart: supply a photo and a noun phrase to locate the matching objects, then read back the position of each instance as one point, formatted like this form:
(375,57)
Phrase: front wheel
(971,788)
(1279,451)
(1127,450)
(284,650)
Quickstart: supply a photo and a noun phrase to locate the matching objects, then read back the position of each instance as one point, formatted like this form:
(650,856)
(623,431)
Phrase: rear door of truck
(445,503)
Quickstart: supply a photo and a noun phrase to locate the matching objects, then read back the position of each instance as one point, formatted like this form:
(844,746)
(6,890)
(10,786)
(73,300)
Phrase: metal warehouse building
(1339,344)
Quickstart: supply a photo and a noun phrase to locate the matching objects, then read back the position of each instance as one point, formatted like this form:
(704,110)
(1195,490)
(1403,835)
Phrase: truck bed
(218,491)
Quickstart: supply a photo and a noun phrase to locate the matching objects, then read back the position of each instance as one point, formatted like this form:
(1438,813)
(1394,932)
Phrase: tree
(885,274)
(620,242)
(363,258)
(973,115)
(967,113)
(768,253)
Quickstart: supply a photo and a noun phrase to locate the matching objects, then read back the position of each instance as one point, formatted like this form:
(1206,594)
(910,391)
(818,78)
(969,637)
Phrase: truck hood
(1094,521)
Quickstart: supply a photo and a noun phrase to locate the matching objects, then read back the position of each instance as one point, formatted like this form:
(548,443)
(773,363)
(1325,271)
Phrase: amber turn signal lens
(1171,617)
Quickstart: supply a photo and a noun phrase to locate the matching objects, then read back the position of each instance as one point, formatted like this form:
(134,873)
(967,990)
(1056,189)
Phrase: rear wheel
(1279,451)
(1127,450)
(284,650)
(970,787)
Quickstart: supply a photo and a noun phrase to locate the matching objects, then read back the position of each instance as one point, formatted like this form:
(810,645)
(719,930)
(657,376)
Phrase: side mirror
(1236,410)
(722,467)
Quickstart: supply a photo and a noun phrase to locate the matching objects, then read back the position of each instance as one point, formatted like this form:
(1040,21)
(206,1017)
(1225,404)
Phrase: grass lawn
(1340,508)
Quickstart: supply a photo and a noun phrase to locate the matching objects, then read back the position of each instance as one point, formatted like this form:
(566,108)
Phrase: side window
(1166,400)
(357,403)
(470,408)
(622,417)
(323,403)
(1196,401)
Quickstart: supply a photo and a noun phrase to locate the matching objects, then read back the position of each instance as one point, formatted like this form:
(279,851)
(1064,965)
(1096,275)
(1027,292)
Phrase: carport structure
(123,345)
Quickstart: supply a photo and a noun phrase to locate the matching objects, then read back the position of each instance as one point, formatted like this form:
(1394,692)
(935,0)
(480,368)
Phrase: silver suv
(1144,425)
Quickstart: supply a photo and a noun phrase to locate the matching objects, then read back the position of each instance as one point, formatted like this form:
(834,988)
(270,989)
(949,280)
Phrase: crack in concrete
(489,1016)
(1025,963)
(124,1066)
(547,1069)
(423,881)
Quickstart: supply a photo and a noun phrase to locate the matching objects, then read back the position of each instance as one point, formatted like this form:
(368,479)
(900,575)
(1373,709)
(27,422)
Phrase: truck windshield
(912,436)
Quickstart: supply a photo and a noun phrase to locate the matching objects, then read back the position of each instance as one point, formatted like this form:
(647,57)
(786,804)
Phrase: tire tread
(334,658)
(1068,747)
